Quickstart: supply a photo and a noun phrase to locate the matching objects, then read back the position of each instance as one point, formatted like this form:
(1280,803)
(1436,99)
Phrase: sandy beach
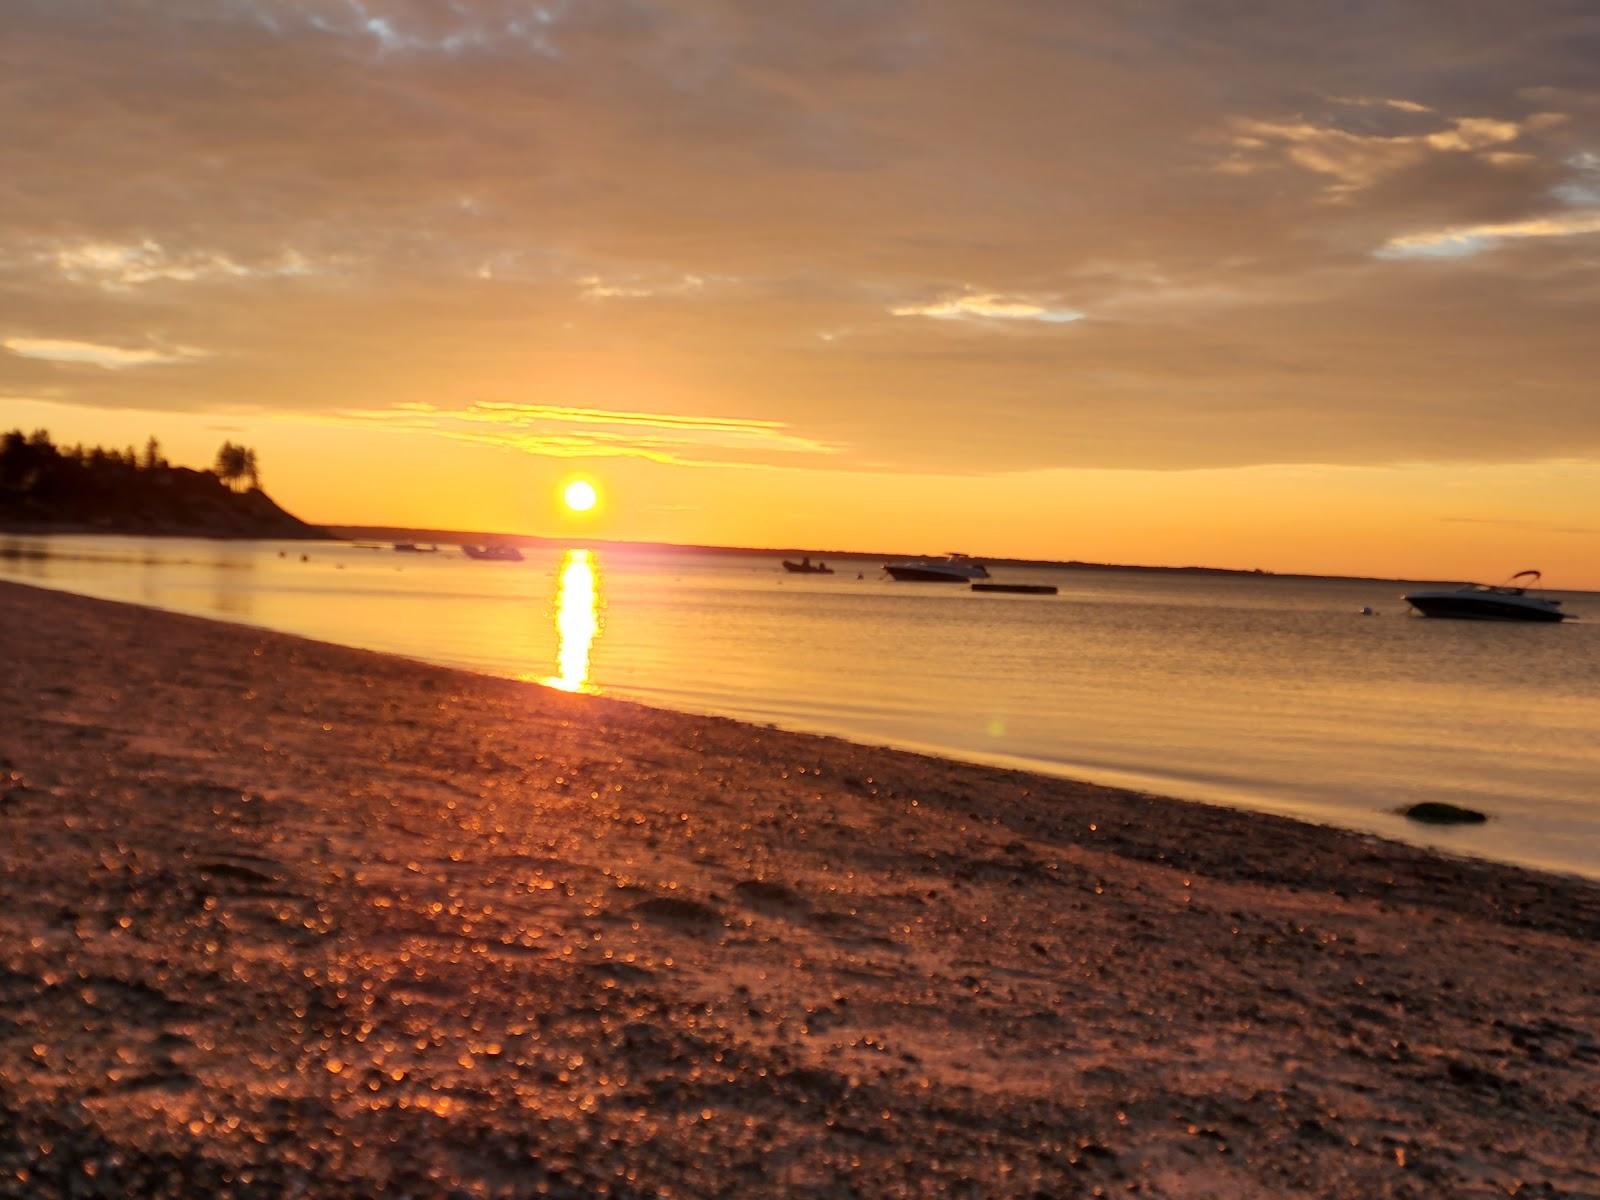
(285,918)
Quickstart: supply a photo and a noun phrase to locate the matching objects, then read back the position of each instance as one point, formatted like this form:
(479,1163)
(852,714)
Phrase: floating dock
(1021,589)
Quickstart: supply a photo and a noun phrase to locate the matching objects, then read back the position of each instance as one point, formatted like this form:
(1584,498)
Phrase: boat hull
(1479,608)
(926,575)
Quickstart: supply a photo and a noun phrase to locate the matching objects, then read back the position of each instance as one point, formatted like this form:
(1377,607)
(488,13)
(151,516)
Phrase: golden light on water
(577,608)
(580,496)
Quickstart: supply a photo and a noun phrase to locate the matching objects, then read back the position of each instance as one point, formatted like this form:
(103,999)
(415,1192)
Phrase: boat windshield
(1515,586)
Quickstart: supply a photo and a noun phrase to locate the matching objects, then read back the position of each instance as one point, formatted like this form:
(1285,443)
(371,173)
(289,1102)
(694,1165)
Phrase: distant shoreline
(460,537)
(313,533)
(456,537)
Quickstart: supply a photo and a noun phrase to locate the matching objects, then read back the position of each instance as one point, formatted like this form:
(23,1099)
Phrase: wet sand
(284,918)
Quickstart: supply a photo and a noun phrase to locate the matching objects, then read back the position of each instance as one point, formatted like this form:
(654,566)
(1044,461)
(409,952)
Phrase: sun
(580,496)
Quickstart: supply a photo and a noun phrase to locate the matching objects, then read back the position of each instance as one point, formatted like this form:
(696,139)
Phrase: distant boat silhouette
(413,548)
(1020,589)
(806,567)
(493,553)
(952,568)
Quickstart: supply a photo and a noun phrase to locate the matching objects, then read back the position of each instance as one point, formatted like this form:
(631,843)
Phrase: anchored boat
(493,553)
(952,568)
(1508,601)
(806,567)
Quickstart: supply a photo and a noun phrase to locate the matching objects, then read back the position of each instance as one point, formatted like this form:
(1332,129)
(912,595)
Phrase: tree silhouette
(230,465)
(236,465)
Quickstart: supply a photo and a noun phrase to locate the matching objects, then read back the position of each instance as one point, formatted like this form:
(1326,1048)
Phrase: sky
(1254,283)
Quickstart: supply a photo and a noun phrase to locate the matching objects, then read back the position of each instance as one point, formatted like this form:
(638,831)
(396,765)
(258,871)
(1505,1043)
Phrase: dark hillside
(46,489)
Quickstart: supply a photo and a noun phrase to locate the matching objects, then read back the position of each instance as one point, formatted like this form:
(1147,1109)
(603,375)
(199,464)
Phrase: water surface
(1260,692)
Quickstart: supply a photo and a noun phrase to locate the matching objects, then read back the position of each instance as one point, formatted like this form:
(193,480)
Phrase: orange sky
(1295,286)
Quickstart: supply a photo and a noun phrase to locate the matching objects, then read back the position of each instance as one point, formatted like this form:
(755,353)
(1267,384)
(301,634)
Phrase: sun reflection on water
(577,608)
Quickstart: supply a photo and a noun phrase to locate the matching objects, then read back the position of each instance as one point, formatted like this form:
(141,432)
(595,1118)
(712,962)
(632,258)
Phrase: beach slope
(285,918)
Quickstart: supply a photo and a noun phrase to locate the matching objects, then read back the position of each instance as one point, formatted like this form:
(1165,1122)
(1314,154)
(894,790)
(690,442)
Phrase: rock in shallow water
(1437,812)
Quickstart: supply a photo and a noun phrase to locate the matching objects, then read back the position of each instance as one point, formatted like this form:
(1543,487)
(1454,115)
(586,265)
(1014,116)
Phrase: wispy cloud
(1582,191)
(561,431)
(450,29)
(991,306)
(96,354)
(596,287)
(1355,160)
(118,266)
(1463,241)
(1410,106)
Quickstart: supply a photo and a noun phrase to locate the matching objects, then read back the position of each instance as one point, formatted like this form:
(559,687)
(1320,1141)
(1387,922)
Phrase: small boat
(1508,601)
(413,548)
(501,553)
(1017,589)
(952,568)
(806,567)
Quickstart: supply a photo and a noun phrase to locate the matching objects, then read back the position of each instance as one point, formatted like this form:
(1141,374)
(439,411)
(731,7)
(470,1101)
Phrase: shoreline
(338,532)
(288,913)
(1132,779)
(312,533)
(933,755)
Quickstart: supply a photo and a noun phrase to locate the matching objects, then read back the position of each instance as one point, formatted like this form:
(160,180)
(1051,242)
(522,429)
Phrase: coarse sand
(280,918)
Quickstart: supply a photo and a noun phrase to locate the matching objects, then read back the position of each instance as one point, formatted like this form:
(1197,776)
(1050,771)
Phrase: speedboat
(1508,601)
(500,553)
(952,568)
(806,567)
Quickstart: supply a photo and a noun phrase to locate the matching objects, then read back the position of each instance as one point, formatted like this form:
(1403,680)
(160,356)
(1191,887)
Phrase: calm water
(1259,692)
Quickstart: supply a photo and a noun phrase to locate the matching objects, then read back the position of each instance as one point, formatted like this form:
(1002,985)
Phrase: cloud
(990,306)
(1356,160)
(1409,106)
(596,287)
(1464,241)
(119,266)
(95,354)
(819,167)
(451,29)
(561,431)
(1582,191)
(1579,195)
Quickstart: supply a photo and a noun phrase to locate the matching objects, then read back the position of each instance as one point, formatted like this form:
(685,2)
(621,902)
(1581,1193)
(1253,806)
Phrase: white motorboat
(952,568)
(1508,601)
